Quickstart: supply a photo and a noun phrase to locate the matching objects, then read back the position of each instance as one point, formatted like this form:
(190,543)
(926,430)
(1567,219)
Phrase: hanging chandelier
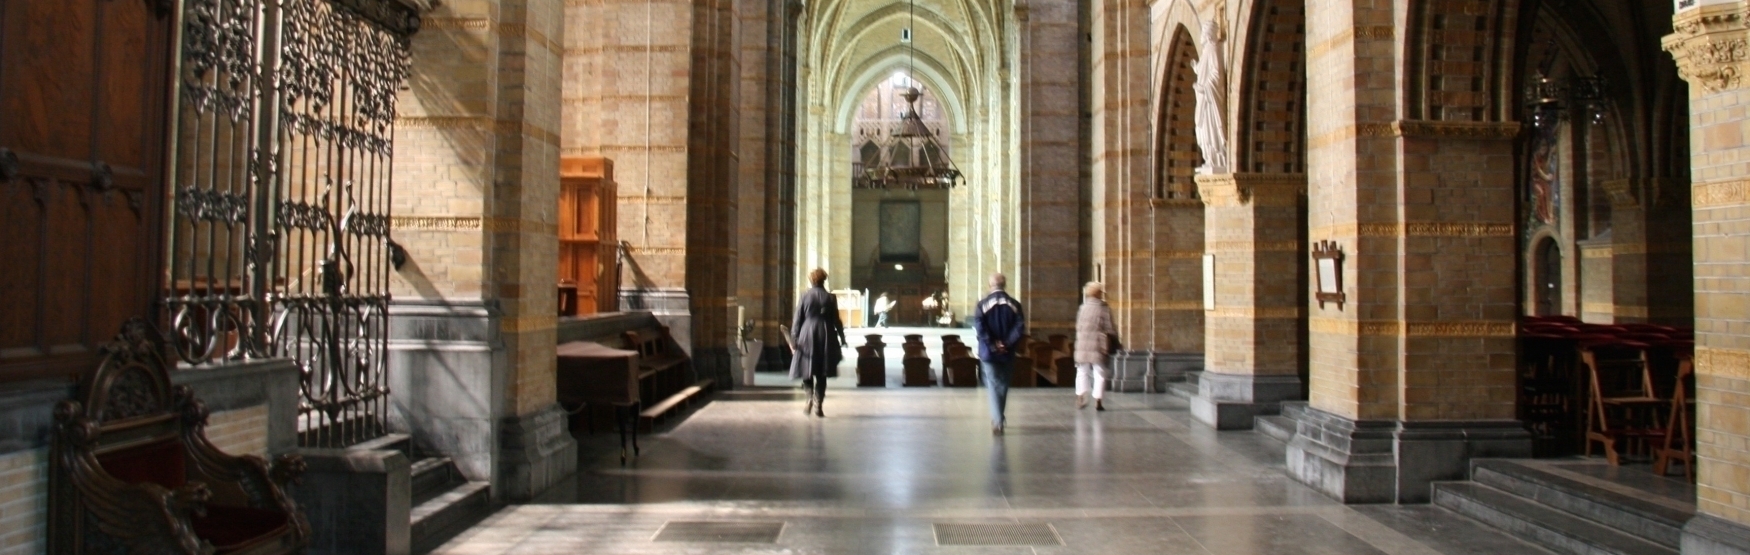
(912,158)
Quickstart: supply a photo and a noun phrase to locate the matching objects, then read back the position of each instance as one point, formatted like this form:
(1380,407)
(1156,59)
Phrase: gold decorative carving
(1256,313)
(1252,246)
(1175,203)
(1336,326)
(1722,362)
(1720,194)
(1416,229)
(1622,193)
(1456,129)
(1227,190)
(1461,329)
(1709,46)
(468,223)
(433,222)
(1605,251)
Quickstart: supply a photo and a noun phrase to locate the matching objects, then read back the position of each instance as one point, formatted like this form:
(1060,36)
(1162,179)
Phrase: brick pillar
(1651,266)
(476,193)
(1121,208)
(1709,48)
(1252,227)
(1413,374)
(1175,317)
(1047,194)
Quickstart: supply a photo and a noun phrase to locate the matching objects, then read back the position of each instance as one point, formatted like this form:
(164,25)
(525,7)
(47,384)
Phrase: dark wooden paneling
(83,88)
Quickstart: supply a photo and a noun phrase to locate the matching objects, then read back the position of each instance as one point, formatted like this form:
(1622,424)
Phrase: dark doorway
(1548,278)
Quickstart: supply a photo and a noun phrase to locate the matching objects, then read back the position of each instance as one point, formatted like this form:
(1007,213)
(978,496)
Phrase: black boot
(819,399)
(809,409)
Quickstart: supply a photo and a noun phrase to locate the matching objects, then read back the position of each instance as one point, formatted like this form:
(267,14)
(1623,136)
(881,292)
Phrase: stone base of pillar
(1233,401)
(358,501)
(448,383)
(536,452)
(1134,371)
(722,365)
(1711,535)
(1385,461)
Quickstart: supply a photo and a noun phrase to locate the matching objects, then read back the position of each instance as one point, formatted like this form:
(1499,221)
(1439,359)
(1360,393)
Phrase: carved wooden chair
(132,471)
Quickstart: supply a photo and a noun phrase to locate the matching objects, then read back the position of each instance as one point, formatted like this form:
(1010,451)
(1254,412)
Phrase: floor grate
(996,534)
(719,532)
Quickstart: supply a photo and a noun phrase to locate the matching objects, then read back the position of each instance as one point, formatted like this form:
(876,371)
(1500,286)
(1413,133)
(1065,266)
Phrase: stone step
(1540,524)
(1613,505)
(1280,427)
(432,476)
(449,513)
(1292,410)
(1184,390)
(388,442)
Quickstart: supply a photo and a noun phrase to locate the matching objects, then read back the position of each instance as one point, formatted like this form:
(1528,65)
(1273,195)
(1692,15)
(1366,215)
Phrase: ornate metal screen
(280,230)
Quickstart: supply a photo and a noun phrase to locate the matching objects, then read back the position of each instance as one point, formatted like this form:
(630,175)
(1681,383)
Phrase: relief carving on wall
(1709,46)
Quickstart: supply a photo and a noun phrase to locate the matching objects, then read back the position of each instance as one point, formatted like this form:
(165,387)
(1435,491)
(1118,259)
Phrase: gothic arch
(932,73)
(1271,135)
(1176,153)
(1458,55)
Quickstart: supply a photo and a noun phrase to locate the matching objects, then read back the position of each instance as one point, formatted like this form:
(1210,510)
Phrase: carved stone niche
(131,470)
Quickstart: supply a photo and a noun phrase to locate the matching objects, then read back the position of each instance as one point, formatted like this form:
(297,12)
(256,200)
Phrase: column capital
(1260,189)
(1708,44)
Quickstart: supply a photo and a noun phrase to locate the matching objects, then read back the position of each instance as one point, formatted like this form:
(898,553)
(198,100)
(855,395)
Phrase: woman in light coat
(817,339)
(1094,331)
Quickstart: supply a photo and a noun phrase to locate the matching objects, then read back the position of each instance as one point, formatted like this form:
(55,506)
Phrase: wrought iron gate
(279,236)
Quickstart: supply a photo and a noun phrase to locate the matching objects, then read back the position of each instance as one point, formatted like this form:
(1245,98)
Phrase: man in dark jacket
(1000,325)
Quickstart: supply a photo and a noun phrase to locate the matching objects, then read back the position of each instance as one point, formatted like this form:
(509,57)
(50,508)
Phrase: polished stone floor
(906,470)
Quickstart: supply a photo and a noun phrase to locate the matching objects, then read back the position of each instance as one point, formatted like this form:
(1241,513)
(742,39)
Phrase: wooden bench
(961,372)
(665,374)
(871,367)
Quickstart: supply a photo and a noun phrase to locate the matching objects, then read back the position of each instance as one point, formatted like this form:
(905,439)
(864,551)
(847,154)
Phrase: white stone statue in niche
(1211,89)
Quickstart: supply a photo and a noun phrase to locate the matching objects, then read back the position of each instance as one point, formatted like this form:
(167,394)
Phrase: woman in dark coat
(816,339)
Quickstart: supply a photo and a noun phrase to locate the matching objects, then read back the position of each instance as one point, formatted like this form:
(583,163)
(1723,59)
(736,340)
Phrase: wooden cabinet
(587,241)
(83,108)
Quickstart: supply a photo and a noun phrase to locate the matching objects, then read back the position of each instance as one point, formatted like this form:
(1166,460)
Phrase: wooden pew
(665,374)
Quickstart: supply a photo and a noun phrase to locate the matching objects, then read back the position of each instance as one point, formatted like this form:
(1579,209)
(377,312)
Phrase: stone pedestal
(1383,461)
(359,502)
(537,451)
(1149,371)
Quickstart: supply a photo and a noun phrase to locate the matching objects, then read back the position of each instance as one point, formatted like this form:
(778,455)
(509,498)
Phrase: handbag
(1113,345)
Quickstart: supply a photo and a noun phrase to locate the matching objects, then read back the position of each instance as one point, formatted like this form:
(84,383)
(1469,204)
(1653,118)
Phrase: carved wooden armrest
(238,480)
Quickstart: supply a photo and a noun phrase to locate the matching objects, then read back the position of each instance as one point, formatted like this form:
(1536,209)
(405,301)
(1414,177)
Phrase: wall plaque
(1328,266)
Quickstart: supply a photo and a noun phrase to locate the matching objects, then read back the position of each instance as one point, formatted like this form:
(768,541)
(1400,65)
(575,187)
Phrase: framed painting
(901,223)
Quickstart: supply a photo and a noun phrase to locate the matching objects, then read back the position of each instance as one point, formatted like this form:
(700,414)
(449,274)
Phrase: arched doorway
(900,235)
(1547,278)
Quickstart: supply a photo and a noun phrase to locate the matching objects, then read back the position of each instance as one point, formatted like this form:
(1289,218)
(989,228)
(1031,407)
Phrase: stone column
(1122,216)
(1252,227)
(1651,265)
(1709,47)
(713,114)
(1047,194)
(476,193)
(1413,373)
(1171,343)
